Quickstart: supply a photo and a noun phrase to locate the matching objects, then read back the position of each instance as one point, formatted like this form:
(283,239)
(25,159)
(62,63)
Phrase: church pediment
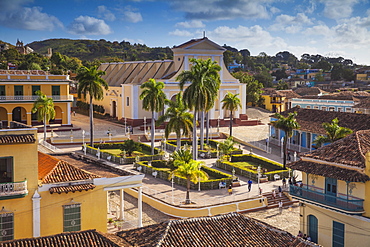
(200,44)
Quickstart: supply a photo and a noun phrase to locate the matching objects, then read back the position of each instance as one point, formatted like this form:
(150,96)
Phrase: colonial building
(335,195)
(278,100)
(18,93)
(311,122)
(121,100)
(42,195)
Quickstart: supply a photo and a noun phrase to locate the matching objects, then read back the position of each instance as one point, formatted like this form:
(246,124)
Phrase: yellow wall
(356,229)
(25,167)
(93,210)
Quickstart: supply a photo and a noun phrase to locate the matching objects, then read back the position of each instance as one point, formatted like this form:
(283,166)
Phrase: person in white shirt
(281,207)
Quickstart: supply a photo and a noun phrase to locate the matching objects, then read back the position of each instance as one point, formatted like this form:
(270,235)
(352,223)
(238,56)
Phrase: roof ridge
(164,235)
(359,144)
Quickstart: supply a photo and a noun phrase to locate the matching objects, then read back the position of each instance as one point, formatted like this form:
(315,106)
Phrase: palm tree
(153,99)
(231,102)
(191,172)
(183,154)
(179,119)
(286,124)
(44,107)
(200,95)
(227,146)
(90,82)
(333,133)
(130,146)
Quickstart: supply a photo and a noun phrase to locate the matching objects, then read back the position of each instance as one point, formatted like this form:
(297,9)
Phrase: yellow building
(278,100)
(124,79)
(335,192)
(17,95)
(41,195)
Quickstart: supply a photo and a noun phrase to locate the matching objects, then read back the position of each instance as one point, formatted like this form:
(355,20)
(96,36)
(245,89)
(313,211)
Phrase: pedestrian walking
(304,236)
(280,191)
(289,158)
(230,190)
(300,234)
(280,207)
(274,194)
(290,181)
(284,182)
(260,190)
(249,185)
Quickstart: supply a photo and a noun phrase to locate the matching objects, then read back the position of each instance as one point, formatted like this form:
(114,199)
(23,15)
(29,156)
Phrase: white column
(122,205)
(122,103)
(244,98)
(68,113)
(221,112)
(36,214)
(222,69)
(186,62)
(140,207)
(108,202)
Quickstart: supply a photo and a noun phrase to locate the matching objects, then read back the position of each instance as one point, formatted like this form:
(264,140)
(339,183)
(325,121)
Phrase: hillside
(102,49)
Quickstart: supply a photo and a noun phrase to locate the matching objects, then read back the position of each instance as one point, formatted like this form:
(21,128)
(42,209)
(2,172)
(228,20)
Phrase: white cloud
(248,37)
(181,33)
(15,16)
(274,10)
(132,16)
(105,14)
(337,9)
(86,25)
(290,24)
(222,9)
(191,24)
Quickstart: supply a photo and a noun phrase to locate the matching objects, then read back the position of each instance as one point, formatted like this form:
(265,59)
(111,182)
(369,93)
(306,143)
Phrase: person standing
(249,185)
(280,206)
(284,182)
(230,190)
(274,194)
(280,191)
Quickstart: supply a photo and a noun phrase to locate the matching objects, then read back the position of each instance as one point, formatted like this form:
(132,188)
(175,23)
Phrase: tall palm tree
(333,133)
(179,119)
(153,99)
(191,172)
(286,124)
(227,146)
(90,82)
(44,107)
(231,102)
(202,92)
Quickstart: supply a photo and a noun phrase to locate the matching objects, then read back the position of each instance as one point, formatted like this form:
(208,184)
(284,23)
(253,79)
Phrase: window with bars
(72,217)
(6,226)
(55,90)
(338,234)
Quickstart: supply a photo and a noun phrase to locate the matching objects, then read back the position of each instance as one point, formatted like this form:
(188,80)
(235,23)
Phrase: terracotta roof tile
(309,91)
(13,139)
(53,170)
(329,171)
(289,94)
(350,150)
(311,120)
(71,188)
(89,238)
(223,230)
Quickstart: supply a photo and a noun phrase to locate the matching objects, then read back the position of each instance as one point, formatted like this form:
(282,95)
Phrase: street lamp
(83,137)
(259,175)
(172,182)
(144,125)
(233,172)
(199,177)
(125,126)
(218,124)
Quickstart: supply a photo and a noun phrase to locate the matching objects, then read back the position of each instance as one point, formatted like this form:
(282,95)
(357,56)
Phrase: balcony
(315,195)
(32,98)
(13,190)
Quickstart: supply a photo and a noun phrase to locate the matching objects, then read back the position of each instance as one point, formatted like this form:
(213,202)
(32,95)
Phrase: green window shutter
(55,90)
(72,217)
(6,226)
(2,90)
(18,90)
(338,234)
(34,89)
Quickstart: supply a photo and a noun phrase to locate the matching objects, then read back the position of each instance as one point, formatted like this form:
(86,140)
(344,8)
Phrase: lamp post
(199,177)
(83,137)
(218,154)
(125,126)
(98,153)
(233,172)
(144,125)
(172,182)
(281,146)
(259,175)
(85,148)
(218,124)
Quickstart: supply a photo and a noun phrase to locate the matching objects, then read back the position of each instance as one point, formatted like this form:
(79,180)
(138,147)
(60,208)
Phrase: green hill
(102,50)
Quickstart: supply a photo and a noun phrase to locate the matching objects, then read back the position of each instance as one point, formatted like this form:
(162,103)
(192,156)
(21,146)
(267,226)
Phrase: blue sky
(326,27)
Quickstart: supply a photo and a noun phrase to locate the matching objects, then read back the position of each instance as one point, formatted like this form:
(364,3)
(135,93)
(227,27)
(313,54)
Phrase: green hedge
(117,145)
(159,165)
(250,173)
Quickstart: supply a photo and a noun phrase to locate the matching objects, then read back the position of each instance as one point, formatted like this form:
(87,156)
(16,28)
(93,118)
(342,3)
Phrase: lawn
(119,151)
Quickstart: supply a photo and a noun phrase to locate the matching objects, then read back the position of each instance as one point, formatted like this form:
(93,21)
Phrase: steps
(273,203)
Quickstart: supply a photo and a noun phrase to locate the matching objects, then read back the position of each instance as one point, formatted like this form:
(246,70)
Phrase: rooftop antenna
(204,34)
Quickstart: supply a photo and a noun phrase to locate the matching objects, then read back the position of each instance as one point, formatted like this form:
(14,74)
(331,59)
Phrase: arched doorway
(19,115)
(58,115)
(3,117)
(114,109)
(312,227)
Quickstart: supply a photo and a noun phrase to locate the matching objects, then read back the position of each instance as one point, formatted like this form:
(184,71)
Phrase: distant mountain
(102,50)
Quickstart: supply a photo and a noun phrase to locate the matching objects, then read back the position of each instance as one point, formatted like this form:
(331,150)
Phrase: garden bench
(222,185)
(109,158)
(155,174)
(276,177)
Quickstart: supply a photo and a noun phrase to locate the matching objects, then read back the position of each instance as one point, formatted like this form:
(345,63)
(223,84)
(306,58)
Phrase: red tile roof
(71,188)
(89,238)
(16,139)
(329,171)
(350,150)
(311,120)
(223,230)
(309,91)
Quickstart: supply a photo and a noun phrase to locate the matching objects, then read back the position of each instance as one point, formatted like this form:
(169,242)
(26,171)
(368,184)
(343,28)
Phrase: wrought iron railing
(34,97)
(314,194)
(13,188)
